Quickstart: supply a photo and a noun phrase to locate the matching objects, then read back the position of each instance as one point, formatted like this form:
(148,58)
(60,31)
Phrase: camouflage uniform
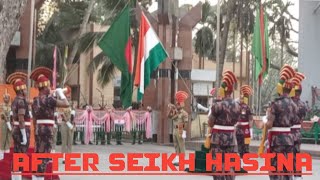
(43,109)
(6,135)
(20,105)
(302,111)
(280,138)
(243,130)
(224,115)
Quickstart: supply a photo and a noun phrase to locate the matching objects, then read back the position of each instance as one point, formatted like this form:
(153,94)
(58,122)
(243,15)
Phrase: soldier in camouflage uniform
(180,120)
(282,115)
(20,115)
(43,109)
(302,111)
(243,125)
(223,118)
(5,126)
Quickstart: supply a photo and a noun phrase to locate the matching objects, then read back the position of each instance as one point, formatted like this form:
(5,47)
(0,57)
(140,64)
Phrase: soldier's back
(226,115)
(284,110)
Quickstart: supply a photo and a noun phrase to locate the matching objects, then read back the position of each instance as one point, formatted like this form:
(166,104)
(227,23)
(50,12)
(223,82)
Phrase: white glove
(73,112)
(184,134)
(24,136)
(55,126)
(69,125)
(55,114)
(251,132)
(9,126)
(30,114)
(11,113)
(60,93)
(264,119)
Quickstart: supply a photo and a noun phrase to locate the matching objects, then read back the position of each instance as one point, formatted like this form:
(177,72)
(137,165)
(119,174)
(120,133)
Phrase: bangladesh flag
(260,46)
(116,44)
(151,54)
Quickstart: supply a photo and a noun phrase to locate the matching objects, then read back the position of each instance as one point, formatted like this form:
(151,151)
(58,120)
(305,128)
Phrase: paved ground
(105,151)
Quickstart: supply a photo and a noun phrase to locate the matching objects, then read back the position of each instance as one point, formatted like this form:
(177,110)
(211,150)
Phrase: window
(75,92)
(203,100)
(116,95)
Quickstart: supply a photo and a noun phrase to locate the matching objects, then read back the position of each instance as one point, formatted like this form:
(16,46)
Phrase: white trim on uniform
(219,127)
(45,121)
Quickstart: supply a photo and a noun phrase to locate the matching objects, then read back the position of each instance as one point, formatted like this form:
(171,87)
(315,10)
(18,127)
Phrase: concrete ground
(105,151)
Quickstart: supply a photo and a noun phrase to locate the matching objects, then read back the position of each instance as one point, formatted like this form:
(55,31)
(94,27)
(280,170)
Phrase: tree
(238,16)
(10,13)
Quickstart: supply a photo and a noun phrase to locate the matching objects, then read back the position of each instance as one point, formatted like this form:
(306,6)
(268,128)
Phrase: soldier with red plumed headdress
(245,119)
(43,109)
(20,115)
(222,120)
(280,120)
(302,111)
(180,119)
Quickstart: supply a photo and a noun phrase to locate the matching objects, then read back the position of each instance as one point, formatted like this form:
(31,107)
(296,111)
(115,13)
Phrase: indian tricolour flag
(151,54)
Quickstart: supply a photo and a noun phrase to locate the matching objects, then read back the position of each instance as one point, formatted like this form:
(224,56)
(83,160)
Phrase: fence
(92,125)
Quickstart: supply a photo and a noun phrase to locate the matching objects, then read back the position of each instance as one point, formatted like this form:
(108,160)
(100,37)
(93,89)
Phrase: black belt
(178,126)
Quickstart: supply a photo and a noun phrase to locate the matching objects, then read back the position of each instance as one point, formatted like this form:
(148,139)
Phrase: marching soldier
(67,129)
(224,116)
(20,115)
(43,109)
(5,126)
(180,119)
(243,125)
(280,119)
(302,111)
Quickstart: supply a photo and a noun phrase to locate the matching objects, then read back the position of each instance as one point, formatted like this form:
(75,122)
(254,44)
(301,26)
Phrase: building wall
(84,77)
(309,43)
(23,49)
(211,65)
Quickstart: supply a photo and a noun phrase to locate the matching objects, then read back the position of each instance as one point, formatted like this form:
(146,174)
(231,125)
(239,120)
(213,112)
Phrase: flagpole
(218,49)
(30,47)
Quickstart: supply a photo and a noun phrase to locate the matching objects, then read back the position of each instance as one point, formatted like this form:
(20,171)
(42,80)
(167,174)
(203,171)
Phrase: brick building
(17,57)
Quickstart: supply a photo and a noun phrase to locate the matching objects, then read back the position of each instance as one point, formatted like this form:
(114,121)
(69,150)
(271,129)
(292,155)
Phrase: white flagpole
(30,47)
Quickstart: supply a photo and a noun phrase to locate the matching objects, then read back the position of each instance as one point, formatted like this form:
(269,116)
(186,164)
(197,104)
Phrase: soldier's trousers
(118,129)
(178,141)
(296,149)
(55,138)
(17,140)
(283,150)
(242,147)
(75,134)
(44,143)
(5,138)
(66,138)
(222,149)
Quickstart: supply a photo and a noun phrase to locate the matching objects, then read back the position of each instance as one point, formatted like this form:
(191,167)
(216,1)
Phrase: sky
(294,10)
